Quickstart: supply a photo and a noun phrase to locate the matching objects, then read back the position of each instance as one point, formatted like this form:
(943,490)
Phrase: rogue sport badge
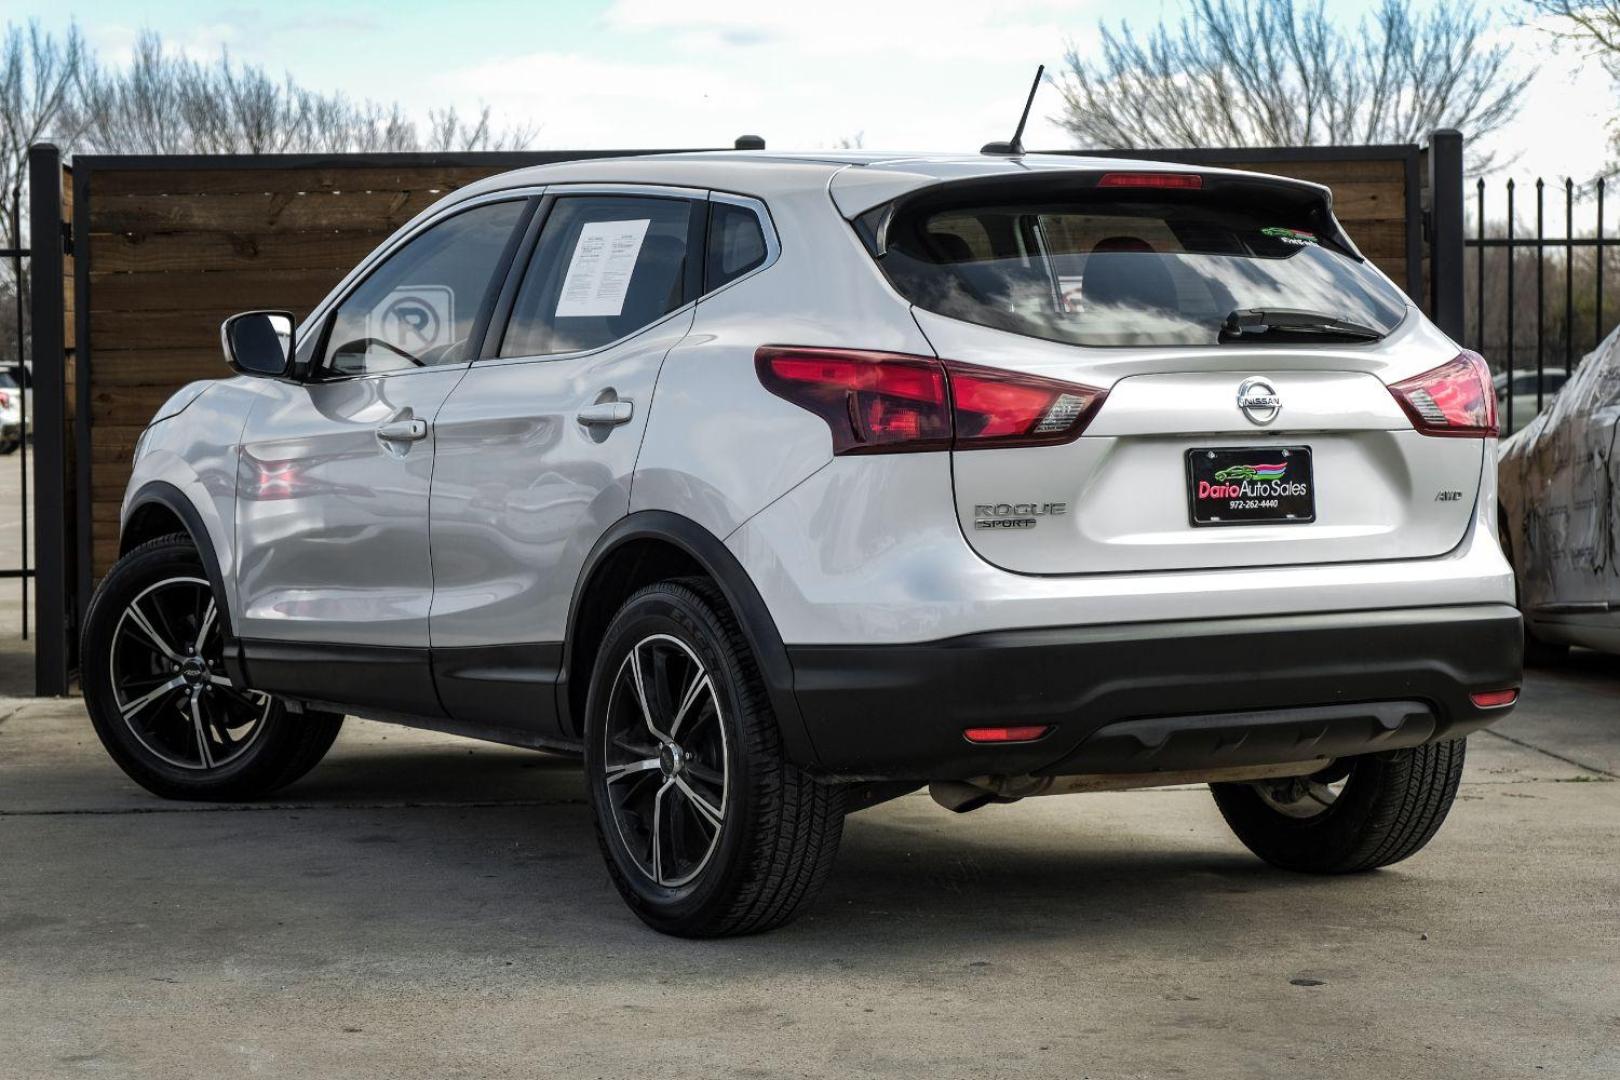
(1259,401)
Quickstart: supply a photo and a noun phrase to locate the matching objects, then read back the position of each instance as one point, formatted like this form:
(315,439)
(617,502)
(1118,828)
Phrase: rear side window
(1106,268)
(736,244)
(605,267)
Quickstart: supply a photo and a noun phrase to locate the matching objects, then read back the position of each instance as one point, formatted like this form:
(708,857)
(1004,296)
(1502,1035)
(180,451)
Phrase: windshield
(1113,270)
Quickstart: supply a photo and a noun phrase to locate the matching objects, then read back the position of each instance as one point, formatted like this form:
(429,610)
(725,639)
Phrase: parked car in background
(11,415)
(1522,408)
(776,486)
(1560,520)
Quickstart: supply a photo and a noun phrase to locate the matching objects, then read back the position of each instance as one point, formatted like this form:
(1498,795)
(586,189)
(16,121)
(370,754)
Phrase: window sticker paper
(599,273)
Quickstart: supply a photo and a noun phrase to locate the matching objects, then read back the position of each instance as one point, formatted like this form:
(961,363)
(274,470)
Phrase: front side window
(1104,268)
(418,309)
(605,266)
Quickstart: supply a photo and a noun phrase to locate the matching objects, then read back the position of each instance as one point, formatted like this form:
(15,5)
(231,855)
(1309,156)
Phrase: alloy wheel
(666,769)
(168,679)
(1306,796)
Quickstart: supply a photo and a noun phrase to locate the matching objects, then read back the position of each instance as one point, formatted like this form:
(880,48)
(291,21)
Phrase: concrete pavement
(425,906)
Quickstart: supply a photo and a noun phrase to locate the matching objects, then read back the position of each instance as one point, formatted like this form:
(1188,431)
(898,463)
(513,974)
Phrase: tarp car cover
(1557,479)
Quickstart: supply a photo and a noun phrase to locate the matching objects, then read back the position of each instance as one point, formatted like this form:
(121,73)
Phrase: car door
(333,567)
(537,445)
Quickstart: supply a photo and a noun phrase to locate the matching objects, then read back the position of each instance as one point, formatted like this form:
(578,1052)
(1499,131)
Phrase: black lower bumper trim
(1157,696)
(1224,740)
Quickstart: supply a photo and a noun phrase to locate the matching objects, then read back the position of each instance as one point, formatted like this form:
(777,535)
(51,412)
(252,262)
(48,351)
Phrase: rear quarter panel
(720,447)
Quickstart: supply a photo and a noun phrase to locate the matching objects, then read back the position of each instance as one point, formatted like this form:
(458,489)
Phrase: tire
(196,737)
(1386,807)
(778,830)
(7,448)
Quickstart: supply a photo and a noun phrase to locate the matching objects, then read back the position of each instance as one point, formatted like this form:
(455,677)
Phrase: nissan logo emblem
(1259,401)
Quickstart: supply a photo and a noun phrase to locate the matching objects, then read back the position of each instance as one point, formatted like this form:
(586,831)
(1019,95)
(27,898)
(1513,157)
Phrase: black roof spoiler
(1301,196)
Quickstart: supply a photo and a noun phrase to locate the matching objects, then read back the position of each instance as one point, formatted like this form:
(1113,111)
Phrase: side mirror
(259,343)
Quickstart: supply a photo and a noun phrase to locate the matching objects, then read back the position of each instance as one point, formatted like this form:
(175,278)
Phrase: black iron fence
(1538,303)
(15,391)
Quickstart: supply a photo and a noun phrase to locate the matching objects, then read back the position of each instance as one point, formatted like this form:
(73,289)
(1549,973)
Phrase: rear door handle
(403,431)
(606,412)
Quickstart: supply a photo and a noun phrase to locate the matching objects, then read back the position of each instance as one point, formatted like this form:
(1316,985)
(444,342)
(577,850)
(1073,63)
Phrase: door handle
(606,412)
(403,431)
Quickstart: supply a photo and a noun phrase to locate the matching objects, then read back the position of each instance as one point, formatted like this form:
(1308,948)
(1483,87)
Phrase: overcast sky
(907,74)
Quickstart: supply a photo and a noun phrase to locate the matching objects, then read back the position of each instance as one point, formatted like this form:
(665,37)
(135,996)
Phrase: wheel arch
(654,545)
(159,508)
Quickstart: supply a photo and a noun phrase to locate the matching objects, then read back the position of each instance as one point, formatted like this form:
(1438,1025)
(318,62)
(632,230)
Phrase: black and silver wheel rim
(666,770)
(169,683)
(1305,797)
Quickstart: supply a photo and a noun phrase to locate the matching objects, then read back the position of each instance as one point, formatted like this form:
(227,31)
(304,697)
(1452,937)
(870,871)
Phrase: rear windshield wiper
(1251,324)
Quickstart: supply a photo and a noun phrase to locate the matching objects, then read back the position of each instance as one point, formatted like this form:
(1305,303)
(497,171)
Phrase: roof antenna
(1016,146)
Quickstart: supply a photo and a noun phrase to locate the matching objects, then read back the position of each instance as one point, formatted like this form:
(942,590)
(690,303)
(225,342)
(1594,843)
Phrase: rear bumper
(1147,697)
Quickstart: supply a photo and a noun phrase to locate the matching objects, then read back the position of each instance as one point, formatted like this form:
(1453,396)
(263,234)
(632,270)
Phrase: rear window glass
(1113,270)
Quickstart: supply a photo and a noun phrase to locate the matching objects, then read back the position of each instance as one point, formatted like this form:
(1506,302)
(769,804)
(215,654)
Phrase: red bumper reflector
(1494,699)
(1027,733)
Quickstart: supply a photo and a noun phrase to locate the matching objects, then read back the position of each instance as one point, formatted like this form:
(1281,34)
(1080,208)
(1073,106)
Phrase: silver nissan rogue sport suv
(780,485)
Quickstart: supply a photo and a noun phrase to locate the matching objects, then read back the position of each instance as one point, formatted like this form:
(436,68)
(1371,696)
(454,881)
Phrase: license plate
(1251,485)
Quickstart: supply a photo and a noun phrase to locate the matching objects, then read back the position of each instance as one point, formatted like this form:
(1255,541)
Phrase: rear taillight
(892,403)
(873,402)
(1457,398)
(5,400)
(1003,408)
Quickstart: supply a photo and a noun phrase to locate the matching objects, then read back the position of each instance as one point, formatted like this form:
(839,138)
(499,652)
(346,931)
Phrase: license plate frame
(1263,496)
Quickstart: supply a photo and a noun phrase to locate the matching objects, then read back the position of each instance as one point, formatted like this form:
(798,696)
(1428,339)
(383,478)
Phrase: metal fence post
(52,647)
(1446,231)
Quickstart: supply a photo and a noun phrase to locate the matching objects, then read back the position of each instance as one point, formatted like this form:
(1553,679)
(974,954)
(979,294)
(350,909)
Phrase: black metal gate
(16,367)
(1534,336)
(47,369)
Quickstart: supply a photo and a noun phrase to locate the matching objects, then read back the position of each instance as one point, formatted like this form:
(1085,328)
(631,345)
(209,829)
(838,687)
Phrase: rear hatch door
(1227,436)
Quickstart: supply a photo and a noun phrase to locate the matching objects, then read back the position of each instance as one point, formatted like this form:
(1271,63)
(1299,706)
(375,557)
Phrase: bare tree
(1593,27)
(166,103)
(448,131)
(1277,73)
(39,75)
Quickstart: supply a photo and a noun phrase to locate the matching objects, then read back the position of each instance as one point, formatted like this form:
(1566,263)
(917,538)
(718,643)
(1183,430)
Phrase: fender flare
(709,552)
(164,494)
